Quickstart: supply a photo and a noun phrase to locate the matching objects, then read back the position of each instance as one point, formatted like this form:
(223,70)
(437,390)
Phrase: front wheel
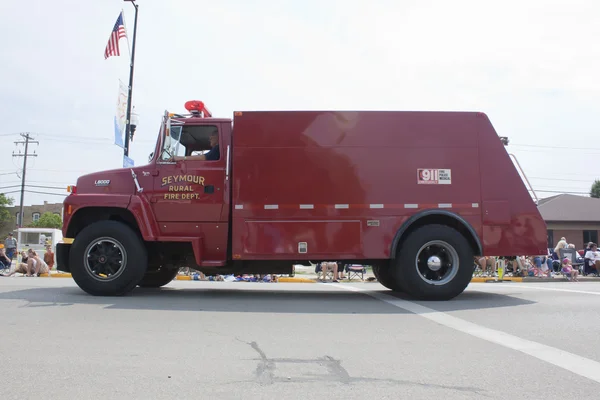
(108,258)
(383,274)
(158,278)
(434,263)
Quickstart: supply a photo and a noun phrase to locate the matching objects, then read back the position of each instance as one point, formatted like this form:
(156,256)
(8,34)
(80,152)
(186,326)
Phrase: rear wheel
(158,278)
(108,258)
(435,262)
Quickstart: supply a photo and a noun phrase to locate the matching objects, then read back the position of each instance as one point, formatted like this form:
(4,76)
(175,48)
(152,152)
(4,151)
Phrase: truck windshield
(171,143)
(187,140)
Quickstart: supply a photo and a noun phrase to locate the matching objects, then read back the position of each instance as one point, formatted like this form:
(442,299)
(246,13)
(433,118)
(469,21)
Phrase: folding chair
(589,267)
(572,255)
(319,269)
(356,270)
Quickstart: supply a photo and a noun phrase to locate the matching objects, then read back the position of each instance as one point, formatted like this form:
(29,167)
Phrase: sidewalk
(557,278)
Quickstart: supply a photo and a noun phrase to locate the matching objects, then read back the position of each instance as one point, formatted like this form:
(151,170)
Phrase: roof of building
(46,204)
(570,208)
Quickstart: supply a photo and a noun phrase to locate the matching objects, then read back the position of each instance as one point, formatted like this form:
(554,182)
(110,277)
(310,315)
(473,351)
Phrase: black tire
(383,274)
(112,242)
(421,281)
(158,278)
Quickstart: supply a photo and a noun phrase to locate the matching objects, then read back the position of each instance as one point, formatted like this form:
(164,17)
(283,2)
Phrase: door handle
(209,189)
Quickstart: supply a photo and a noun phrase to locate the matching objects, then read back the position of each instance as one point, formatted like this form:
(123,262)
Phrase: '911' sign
(434,176)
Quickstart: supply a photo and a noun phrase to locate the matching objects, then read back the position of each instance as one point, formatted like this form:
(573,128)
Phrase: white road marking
(541,288)
(571,362)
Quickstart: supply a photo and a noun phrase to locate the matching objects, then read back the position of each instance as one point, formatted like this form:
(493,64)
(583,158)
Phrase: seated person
(329,266)
(35,265)
(592,259)
(212,155)
(541,267)
(49,257)
(21,267)
(486,263)
(5,262)
(567,269)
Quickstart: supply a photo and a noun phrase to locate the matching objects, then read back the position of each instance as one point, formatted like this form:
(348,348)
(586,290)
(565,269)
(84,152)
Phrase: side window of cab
(193,143)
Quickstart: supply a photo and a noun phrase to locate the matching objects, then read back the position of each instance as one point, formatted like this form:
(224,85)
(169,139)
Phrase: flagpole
(128,118)
(125,25)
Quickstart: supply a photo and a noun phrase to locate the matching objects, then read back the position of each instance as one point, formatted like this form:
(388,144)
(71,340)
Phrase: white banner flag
(121,116)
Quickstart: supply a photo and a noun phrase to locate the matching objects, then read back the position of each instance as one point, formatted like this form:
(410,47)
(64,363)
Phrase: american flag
(118,32)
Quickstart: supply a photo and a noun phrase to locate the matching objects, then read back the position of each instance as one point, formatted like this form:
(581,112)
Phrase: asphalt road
(216,340)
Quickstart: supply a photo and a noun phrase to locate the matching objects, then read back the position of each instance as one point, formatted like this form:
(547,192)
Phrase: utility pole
(28,139)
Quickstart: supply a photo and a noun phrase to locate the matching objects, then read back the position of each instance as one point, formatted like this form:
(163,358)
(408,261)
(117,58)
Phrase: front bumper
(62,257)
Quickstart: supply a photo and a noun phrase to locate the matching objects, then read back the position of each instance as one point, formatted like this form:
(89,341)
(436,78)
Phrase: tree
(48,220)
(5,202)
(595,191)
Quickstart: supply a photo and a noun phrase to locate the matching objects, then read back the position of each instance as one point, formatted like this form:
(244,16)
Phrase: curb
(529,279)
(295,280)
(506,279)
(57,275)
(185,278)
(282,279)
(308,280)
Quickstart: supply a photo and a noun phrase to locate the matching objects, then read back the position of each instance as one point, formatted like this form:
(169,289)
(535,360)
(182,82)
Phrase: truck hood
(115,181)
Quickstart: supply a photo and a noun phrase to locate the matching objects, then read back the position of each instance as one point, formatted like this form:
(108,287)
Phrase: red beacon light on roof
(197,108)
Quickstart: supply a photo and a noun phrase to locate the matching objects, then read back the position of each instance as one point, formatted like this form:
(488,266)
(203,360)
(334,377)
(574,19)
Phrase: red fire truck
(414,194)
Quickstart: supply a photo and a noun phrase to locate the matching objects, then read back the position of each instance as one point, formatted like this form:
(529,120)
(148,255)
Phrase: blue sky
(532,66)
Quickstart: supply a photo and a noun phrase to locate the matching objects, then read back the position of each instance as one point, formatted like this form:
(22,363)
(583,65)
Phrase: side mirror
(150,156)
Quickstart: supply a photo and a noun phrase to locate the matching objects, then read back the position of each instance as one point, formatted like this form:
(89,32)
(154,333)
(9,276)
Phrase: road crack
(265,373)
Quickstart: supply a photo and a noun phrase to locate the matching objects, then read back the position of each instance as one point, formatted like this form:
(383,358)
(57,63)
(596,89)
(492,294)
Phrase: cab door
(191,190)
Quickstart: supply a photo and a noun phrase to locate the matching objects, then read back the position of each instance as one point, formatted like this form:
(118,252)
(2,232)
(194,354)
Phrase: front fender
(141,209)
(75,202)
(92,207)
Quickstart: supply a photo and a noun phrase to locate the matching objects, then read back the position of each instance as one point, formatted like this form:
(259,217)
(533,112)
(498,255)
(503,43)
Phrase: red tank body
(291,186)
(320,177)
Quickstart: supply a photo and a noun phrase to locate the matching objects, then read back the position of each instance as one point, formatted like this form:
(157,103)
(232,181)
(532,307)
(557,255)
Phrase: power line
(571,174)
(586,151)
(48,193)
(86,138)
(554,147)
(63,183)
(35,191)
(85,171)
(34,186)
(561,184)
(559,191)
(47,187)
(558,188)
(562,179)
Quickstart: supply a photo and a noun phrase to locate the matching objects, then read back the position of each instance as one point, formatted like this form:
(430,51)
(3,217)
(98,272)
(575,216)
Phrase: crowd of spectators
(562,260)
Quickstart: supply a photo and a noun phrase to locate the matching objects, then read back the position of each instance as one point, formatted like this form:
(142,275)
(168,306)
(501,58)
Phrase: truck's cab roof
(188,120)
